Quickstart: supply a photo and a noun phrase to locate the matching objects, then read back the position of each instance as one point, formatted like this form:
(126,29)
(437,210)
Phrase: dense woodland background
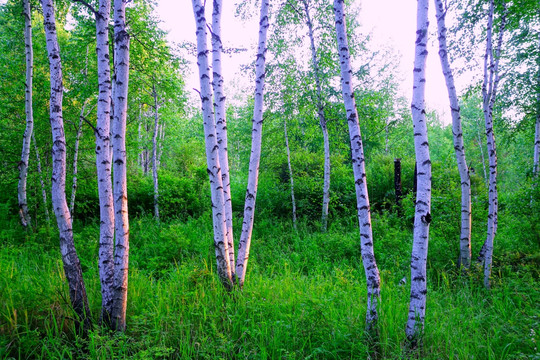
(304,296)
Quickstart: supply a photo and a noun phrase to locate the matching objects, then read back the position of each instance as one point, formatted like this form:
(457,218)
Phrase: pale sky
(392,23)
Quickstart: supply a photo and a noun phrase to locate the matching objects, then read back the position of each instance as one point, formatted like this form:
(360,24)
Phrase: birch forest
(276,182)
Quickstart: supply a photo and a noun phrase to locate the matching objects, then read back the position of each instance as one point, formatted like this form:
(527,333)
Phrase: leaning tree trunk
(27,137)
(422,217)
(221,125)
(103,163)
(322,120)
(255,158)
(212,151)
(72,266)
(466,214)
(359,170)
(43,190)
(154,153)
(121,255)
(293,202)
(489,93)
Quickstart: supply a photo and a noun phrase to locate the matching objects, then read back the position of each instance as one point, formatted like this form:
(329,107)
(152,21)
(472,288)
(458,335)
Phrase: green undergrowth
(304,298)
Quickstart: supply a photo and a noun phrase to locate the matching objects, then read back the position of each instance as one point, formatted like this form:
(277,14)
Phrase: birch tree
(42,184)
(255,157)
(359,170)
(489,93)
(536,156)
(118,131)
(466,213)
(27,137)
(422,216)
(154,153)
(72,267)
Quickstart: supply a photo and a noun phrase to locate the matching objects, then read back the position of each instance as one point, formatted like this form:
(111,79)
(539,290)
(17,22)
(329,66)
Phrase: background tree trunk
(75,162)
(536,163)
(359,169)
(43,189)
(212,151)
(27,137)
(422,217)
(121,256)
(466,213)
(293,202)
(72,266)
(397,181)
(256,139)
(154,153)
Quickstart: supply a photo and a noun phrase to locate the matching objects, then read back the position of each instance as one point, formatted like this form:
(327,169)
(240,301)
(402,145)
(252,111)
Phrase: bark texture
(255,157)
(489,94)
(72,267)
(212,151)
(359,170)
(27,136)
(221,125)
(422,217)
(103,162)
(322,119)
(121,255)
(466,213)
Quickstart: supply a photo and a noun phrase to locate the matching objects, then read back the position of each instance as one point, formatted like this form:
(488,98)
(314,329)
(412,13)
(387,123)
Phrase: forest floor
(304,297)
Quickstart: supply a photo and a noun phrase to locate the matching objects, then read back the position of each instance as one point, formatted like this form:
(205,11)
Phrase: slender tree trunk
(322,120)
(212,151)
(103,163)
(489,93)
(256,139)
(43,190)
(27,137)
(140,157)
(422,217)
(359,170)
(154,154)
(75,162)
(72,267)
(536,164)
(386,137)
(121,255)
(221,126)
(397,181)
(290,173)
(481,146)
(466,214)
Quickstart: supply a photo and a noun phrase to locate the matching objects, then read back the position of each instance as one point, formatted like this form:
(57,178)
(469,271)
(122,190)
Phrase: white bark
(212,151)
(154,154)
(255,157)
(103,162)
(121,255)
(27,137)
(221,124)
(422,217)
(293,202)
(43,190)
(359,170)
(75,162)
(489,93)
(322,120)
(72,267)
(466,213)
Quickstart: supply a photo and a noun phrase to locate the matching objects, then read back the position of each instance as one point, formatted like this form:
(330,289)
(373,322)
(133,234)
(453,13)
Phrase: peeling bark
(422,216)
(466,211)
(359,170)
(28,132)
(72,267)
(255,157)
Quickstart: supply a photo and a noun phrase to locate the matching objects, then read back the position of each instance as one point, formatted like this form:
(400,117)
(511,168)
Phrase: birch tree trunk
(322,120)
(75,162)
(154,154)
(293,202)
(212,151)
(103,162)
(481,146)
(466,213)
(255,157)
(27,137)
(422,217)
(221,125)
(489,93)
(43,190)
(72,267)
(121,255)
(359,170)
(536,163)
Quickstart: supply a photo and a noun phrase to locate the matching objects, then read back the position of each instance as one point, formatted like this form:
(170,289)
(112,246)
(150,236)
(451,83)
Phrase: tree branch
(88,6)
